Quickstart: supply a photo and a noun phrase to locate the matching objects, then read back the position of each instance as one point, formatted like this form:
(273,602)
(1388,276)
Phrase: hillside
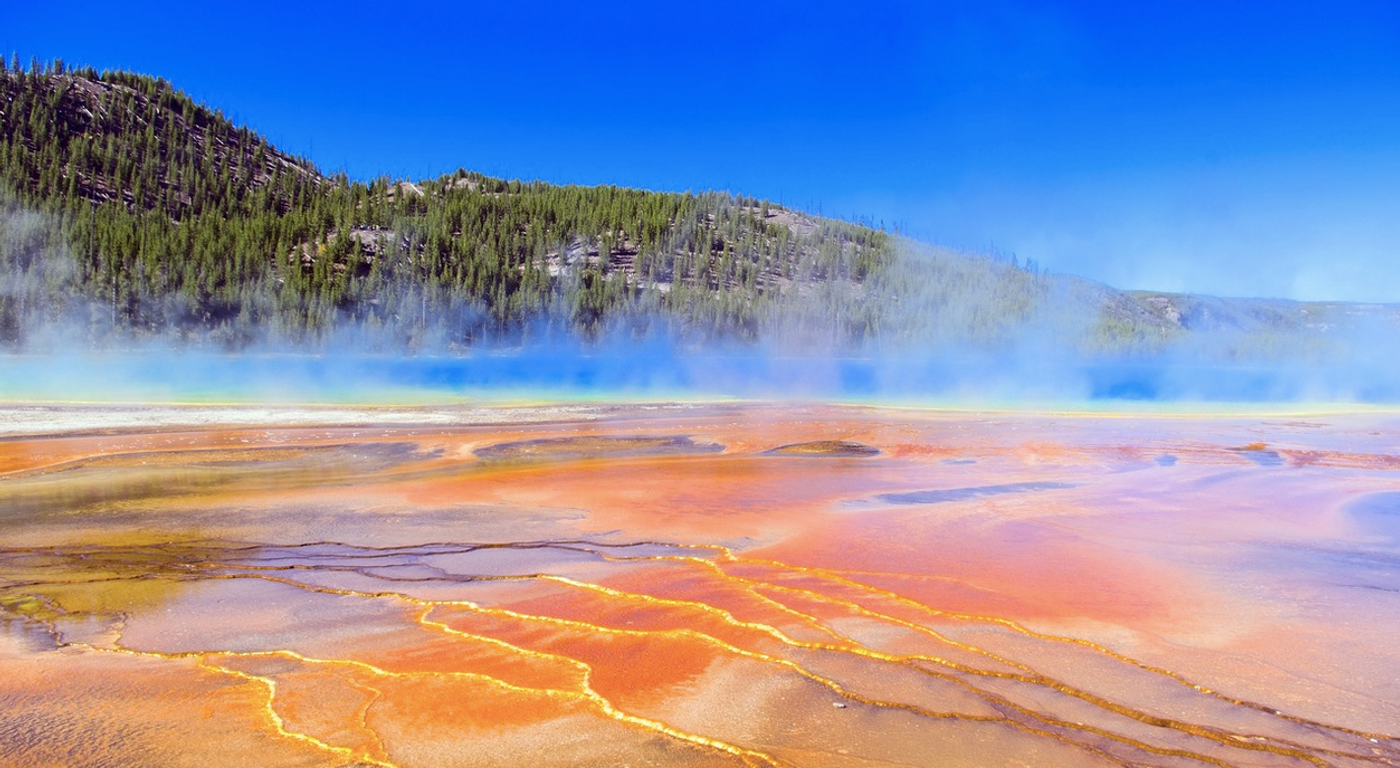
(138,199)
(132,213)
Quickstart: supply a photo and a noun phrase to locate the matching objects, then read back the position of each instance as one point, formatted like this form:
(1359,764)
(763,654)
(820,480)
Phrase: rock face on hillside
(132,140)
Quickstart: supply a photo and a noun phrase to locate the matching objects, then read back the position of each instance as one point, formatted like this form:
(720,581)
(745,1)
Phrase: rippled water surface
(764,585)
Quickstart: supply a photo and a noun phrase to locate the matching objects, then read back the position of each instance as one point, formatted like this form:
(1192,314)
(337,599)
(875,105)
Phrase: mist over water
(933,327)
(659,372)
(660,366)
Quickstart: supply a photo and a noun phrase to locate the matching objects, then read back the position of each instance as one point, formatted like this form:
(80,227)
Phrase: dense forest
(131,213)
(131,210)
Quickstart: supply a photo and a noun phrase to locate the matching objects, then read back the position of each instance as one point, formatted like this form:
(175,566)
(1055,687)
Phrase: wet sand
(732,584)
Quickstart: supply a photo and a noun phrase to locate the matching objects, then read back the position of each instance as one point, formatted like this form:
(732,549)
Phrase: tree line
(128,210)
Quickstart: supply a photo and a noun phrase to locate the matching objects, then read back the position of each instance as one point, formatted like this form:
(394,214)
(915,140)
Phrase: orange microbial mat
(679,585)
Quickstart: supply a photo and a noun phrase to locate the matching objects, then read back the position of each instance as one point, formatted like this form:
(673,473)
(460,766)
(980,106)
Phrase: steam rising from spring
(932,323)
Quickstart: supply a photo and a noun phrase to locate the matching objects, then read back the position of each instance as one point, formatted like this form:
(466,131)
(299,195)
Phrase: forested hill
(131,213)
(131,210)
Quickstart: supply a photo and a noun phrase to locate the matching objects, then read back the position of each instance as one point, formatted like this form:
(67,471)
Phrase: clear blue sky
(1231,148)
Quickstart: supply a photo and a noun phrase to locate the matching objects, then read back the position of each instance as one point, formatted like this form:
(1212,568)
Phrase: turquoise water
(569,374)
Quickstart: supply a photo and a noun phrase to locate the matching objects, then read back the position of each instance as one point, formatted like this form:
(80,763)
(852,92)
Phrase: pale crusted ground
(47,419)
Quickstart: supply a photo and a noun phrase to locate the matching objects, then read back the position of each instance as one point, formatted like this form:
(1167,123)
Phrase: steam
(934,326)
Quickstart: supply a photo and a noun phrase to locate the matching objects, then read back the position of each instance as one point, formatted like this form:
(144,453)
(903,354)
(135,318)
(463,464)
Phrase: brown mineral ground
(826,448)
(739,584)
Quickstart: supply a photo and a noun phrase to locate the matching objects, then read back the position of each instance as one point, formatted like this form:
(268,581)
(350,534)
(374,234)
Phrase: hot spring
(733,583)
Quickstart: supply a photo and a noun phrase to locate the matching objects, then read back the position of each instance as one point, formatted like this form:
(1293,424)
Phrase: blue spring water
(566,373)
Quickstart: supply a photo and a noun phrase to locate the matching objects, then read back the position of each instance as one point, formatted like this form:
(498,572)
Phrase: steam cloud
(936,326)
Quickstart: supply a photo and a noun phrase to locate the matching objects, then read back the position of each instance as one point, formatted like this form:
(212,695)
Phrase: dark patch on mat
(1260,454)
(964,494)
(847,448)
(1165,460)
(959,461)
(596,447)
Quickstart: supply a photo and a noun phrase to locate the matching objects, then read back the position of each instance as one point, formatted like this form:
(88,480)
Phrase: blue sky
(1229,148)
